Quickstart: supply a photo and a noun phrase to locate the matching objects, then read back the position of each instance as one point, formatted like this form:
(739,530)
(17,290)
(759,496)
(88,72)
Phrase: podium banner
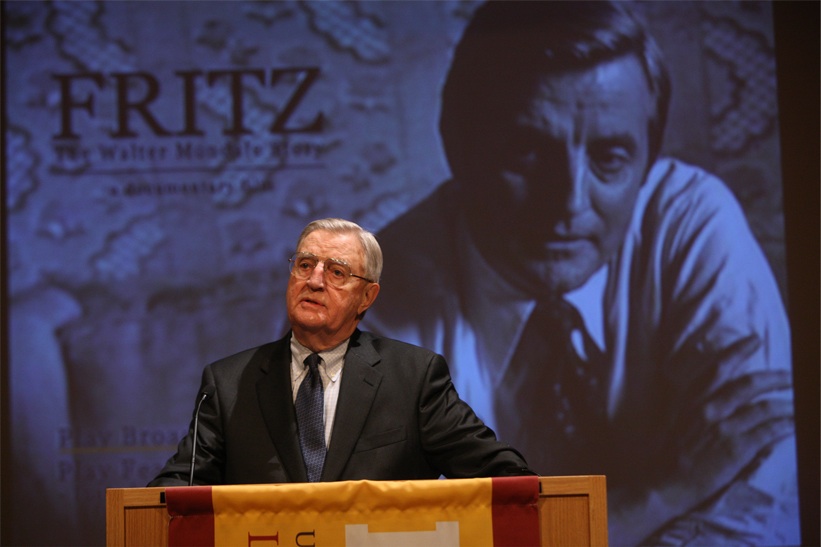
(477,512)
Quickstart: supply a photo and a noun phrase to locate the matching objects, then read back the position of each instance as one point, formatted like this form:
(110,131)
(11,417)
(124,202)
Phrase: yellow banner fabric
(399,513)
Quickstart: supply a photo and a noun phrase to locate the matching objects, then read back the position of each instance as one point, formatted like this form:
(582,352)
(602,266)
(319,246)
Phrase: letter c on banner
(298,539)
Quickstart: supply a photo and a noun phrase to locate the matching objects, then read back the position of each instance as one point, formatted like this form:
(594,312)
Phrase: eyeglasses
(337,272)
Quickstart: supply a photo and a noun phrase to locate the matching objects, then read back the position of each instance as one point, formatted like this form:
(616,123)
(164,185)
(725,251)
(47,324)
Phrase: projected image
(606,308)
(579,206)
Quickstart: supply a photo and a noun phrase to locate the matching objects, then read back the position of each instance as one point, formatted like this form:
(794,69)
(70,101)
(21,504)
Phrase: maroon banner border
(192,516)
(516,511)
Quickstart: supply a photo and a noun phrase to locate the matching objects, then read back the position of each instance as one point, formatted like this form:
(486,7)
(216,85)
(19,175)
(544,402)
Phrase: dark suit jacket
(398,417)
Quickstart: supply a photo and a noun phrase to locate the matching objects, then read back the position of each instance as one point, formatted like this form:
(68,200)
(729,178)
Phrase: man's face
(322,315)
(550,185)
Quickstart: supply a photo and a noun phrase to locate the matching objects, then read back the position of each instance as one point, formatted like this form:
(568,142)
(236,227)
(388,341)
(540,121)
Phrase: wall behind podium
(140,244)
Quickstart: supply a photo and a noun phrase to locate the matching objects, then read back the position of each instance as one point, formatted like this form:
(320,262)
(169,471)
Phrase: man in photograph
(605,309)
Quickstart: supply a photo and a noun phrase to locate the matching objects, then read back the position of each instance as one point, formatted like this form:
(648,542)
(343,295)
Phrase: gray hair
(370,247)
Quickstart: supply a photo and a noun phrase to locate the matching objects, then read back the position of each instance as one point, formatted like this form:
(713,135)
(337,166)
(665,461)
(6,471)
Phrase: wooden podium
(572,513)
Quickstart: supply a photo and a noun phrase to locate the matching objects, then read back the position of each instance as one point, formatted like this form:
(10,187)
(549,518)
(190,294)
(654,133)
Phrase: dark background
(797,55)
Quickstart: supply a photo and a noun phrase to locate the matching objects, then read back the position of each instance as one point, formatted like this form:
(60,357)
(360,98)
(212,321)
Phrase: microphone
(206,392)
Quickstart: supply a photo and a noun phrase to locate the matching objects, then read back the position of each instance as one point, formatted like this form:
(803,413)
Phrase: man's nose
(575,191)
(317,277)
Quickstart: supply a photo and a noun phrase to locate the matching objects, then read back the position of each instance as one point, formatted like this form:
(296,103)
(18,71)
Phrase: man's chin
(556,269)
(307,321)
(545,280)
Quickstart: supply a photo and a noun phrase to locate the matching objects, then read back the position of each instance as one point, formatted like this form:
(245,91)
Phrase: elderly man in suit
(387,410)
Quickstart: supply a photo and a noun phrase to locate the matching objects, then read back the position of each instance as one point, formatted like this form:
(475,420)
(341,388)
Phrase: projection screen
(161,159)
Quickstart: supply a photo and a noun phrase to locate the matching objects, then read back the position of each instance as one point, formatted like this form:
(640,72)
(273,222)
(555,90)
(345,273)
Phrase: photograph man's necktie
(551,392)
(310,419)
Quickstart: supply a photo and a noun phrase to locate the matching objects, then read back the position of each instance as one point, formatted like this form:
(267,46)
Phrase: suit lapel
(276,404)
(360,382)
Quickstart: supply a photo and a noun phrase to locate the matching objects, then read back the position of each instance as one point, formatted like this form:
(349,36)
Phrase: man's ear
(368,297)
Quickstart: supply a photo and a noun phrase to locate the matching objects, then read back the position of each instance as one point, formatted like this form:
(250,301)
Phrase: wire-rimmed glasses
(336,271)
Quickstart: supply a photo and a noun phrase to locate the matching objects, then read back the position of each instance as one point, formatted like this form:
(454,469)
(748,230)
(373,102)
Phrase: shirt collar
(332,359)
(589,301)
(497,311)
